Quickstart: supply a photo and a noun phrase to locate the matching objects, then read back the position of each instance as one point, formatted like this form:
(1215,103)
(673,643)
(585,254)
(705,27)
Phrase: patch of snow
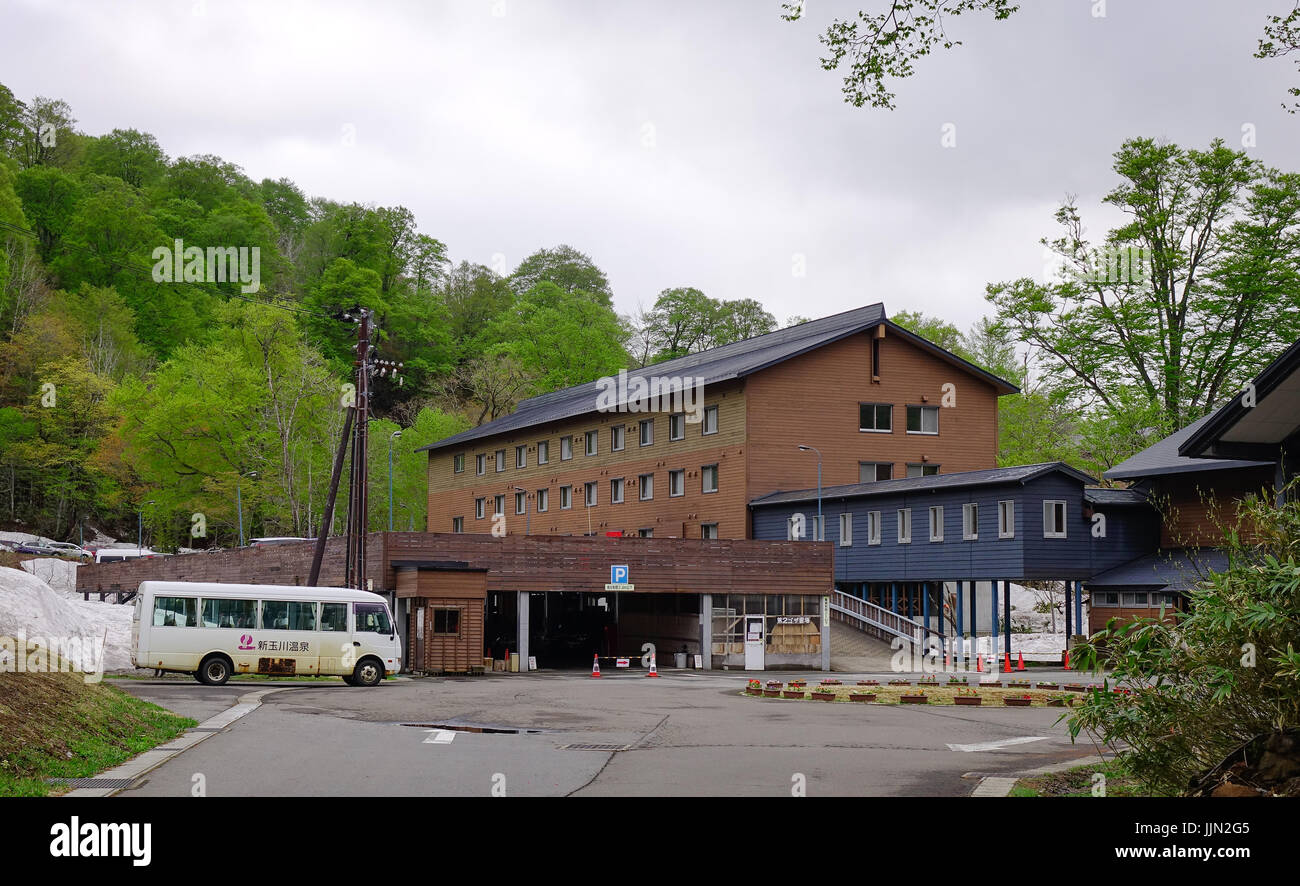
(30,606)
(59,574)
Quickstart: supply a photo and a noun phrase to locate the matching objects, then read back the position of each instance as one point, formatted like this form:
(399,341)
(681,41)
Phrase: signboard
(699,661)
(621,663)
(794,619)
(532,662)
(618,579)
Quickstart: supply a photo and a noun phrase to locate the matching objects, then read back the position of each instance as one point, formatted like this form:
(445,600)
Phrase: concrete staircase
(855,651)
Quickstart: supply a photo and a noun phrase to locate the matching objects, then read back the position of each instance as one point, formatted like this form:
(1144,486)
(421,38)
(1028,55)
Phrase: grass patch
(55,725)
(1078,782)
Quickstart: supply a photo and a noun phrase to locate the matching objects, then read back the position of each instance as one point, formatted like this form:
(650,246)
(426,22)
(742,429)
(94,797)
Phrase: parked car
(68,549)
(52,549)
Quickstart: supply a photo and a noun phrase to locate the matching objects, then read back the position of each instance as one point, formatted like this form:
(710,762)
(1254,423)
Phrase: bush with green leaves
(1207,680)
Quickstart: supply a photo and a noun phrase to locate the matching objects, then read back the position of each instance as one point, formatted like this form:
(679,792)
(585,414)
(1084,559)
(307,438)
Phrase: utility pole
(357,506)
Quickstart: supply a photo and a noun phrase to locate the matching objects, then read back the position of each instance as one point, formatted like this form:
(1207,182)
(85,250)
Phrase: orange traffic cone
(654,671)
(1020,662)
(1067,659)
(1006,663)
(979,663)
(595,665)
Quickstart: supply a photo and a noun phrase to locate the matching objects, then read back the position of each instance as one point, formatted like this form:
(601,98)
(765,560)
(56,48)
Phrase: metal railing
(879,621)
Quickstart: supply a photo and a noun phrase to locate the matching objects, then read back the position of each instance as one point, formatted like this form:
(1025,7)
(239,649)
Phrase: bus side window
(180,612)
(334,616)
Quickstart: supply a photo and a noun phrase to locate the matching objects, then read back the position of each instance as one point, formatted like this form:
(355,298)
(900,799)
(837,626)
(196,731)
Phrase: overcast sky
(678,142)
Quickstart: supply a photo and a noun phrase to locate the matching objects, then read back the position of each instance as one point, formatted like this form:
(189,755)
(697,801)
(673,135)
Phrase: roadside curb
(1001,785)
(151,759)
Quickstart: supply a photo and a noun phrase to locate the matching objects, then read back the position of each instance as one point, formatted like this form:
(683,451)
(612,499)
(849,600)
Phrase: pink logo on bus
(245,641)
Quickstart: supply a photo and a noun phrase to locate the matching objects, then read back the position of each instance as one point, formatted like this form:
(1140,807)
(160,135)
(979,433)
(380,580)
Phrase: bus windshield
(373,618)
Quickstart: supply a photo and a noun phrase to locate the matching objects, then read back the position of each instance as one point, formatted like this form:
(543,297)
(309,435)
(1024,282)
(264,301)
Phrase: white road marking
(996,745)
(440,736)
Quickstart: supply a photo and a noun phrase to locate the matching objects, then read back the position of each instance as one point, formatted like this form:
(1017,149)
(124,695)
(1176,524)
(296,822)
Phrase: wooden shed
(444,624)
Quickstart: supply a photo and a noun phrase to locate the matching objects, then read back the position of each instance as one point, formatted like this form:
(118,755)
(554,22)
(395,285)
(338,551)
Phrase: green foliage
(1281,38)
(685,320)
(1215,677)
(878,47)
(134,157)
(567,268)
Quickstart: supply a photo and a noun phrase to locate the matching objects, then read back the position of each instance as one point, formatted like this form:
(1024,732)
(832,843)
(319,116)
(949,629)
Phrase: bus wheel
(347,678)
(214,671)
(368,673)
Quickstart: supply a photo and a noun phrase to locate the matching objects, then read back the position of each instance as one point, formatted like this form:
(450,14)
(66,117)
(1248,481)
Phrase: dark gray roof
(1274,376)
(724,363)
(935,482)
(1163,458)
(1176,569)
(1104,495)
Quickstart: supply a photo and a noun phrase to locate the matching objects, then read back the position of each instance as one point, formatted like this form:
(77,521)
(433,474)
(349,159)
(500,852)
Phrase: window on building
(458,463)
(871,471)
(645,485)
(677,426)
(646,533)
(446,621)
(457,524)
(543,500)
(1053,519)
(616,435)
(501,460)
(543,452)
(922,470)
(1105,598)
(593,438)
(521,502)
(936,523)
(709,478)
(647,431)
(875,359)
(1133,599)
(708,530)
(1006,519)
(499,504)
(616,491)
(480,508)
(970,521)
(876,417)
(480,463)
(710,423)
(521,456)
(846,530)
(676,483)
(923,419)
(566,497)
(566,448)
(589,491)
(1167,599)
(812,527)
(905,526)
(819,527)
(873,527)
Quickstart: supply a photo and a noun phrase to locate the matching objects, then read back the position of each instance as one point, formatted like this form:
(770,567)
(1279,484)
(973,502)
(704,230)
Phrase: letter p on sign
(618,575)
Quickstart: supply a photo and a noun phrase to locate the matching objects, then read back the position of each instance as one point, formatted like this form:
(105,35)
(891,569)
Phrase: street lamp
(803,448)
(410,516)
(139,526)
(391,437)
(239,504)
(527,516)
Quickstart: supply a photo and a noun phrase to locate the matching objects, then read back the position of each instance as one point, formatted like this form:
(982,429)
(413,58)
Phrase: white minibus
(215,630)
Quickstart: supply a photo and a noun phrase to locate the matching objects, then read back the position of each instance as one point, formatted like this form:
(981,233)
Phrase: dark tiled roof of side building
(1109,497)
(1175,569)
(1163,458)
(934,482)
(724,363)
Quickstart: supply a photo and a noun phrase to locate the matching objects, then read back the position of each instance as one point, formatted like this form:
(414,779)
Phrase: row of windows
(707,530)
(1054,524)
(1135,599)
(871,471)
(267,615)
(591,442)
(878,418)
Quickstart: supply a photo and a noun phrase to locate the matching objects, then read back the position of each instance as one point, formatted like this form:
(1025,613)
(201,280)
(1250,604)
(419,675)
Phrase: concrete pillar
(826,633)
(893,597)
(706,630)
(1078,608)
(521,641)
(993,632)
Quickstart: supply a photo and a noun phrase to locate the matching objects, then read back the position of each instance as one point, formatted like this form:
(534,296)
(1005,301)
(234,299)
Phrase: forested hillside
(127,389)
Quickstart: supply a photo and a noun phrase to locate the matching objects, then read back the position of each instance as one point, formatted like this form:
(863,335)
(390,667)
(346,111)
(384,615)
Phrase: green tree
(50,197)
(1186,301)
(133,156)
(567,268)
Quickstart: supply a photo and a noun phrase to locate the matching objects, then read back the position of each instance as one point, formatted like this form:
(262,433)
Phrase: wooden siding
(1195,505)
(452,495)
(813,399)
(438,589)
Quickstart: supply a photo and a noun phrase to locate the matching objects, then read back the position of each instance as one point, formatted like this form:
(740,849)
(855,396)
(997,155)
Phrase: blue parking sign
(618,575)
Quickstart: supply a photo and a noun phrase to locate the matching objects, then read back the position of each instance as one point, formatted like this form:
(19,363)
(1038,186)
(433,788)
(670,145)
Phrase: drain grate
(594,747)
(485,730)
(207,729)
(93,782)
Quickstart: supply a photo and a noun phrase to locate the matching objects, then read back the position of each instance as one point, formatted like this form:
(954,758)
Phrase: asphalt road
(685,734)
